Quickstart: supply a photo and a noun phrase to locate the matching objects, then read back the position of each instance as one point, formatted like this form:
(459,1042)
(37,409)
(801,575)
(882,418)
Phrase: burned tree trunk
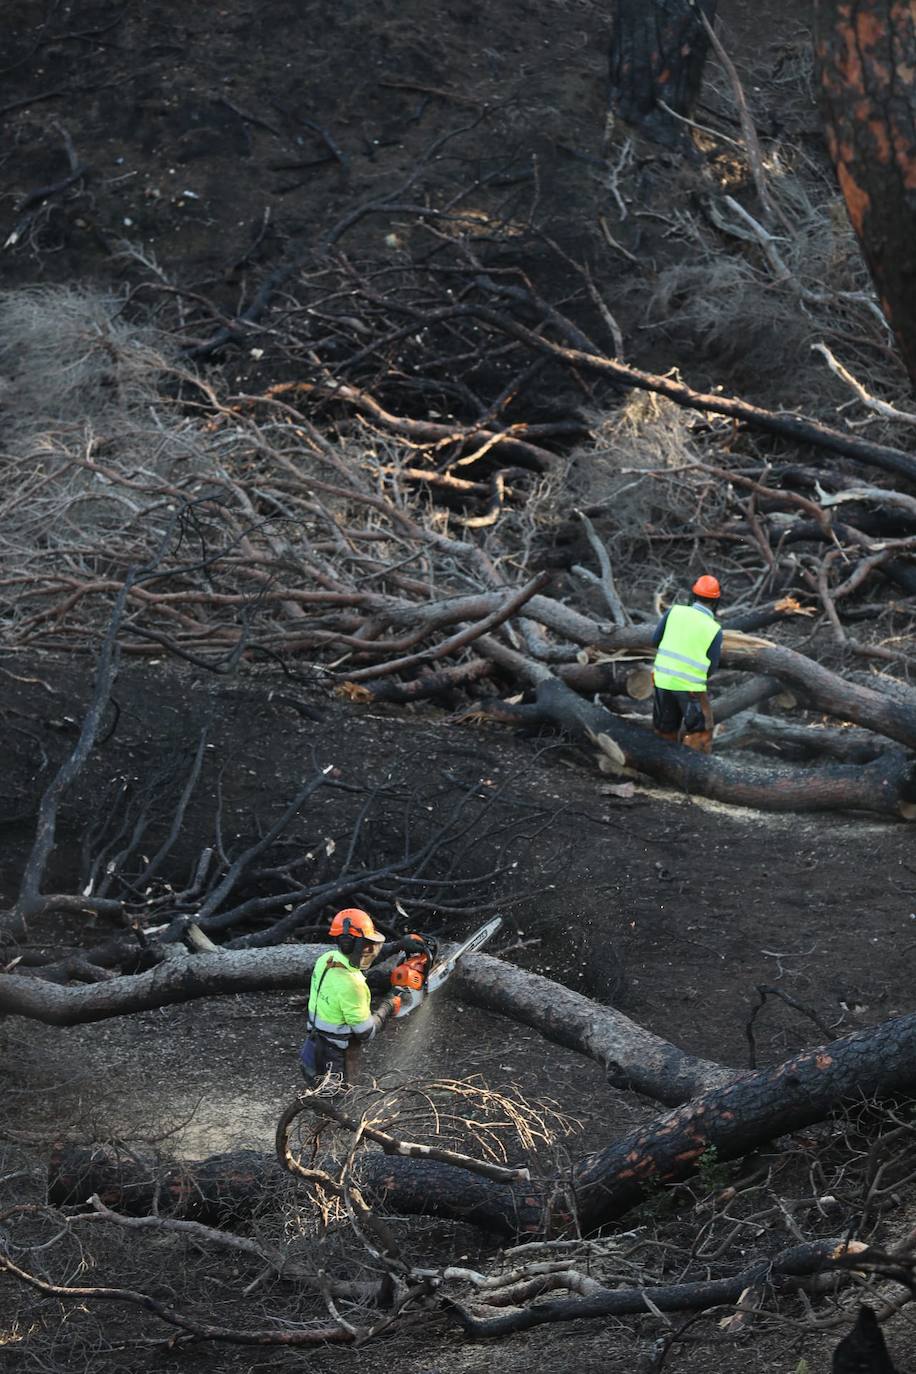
(886,714)
(866,58)
(176,979)
(632,1057)
(227,1188)
(887,785)
(755,1108)
(658,51)
(804,741)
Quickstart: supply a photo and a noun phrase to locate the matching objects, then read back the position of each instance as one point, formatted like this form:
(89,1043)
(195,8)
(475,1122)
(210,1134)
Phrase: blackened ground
(670,909)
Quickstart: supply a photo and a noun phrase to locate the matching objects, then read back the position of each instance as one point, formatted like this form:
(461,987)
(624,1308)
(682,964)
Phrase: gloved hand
(388,1007)
(411,944)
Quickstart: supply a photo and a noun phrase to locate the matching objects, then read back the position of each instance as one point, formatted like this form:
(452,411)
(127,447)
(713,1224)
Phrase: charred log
(231,1187)
(801,1260)
(176,980)
(753,1109)
(632,1057)
(887,786)
(847,746)
(221,1188)
(745,695)
(893,715)
(608,678)
(749,622)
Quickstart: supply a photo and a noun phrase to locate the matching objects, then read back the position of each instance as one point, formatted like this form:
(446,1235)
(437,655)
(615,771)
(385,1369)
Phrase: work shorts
(672,709)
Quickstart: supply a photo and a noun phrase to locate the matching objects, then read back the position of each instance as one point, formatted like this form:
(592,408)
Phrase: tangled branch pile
(338,1270)
(407,557)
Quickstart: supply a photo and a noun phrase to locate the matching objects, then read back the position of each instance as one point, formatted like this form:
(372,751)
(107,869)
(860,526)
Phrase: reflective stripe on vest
(681,662)
(338,991)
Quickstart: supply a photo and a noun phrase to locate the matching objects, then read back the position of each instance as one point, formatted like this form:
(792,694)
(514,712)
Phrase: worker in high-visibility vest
(689,647)
(340,1018)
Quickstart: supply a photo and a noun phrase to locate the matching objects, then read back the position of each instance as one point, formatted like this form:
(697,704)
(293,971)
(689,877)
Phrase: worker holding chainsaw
(689,647)
(340,1017)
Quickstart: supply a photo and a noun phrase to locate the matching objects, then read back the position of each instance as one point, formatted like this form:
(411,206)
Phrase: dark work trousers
(318,1057)
(669,709)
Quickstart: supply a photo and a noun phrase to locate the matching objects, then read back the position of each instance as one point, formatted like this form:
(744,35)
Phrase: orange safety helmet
(707,587)
(356,923)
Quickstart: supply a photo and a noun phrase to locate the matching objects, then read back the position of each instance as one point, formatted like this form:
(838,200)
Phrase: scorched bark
(755,1108)
(866,72)
(658,51)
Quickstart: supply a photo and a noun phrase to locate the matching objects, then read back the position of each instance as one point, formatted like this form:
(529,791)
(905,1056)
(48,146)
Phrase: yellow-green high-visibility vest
(681,664)
(339,1000)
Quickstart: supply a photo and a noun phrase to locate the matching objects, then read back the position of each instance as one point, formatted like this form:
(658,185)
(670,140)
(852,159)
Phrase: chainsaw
(417,975)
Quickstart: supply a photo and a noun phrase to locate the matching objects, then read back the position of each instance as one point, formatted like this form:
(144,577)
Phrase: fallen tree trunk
(752,1110)
(885,686)
(887,786)
(609,678)
(732,1120)
(749,622)
(174,980)
(848,746)
(745,695)
(732,702)
(229,1188)
(893,716)
(823,689)
(632,1057)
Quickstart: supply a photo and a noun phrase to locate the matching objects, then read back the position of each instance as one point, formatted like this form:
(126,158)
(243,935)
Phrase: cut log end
(639,684)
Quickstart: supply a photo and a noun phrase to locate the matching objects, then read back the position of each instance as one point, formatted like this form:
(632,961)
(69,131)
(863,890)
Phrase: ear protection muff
(346,942)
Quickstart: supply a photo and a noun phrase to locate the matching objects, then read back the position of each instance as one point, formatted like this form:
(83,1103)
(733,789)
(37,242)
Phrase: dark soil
(675,910)
(227,142)
(669,908)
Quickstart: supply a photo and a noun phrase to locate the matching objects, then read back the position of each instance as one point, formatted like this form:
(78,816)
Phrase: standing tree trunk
(866,70)
(658,50)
